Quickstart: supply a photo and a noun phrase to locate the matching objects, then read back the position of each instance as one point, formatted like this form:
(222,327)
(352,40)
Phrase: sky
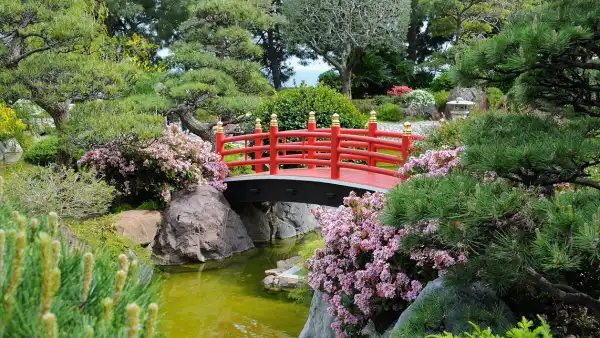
(309,73)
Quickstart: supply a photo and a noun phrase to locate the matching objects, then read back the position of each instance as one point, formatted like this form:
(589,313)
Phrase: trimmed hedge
(42,152)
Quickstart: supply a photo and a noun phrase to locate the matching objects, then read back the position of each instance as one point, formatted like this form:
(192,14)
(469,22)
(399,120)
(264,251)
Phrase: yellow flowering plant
(10,125)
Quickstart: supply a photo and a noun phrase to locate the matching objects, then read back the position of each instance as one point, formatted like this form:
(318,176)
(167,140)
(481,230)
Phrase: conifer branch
(563,292)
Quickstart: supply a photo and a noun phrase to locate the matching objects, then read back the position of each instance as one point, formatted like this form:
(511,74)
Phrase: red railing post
(220,136)
(406,141)
(258,142)
(273,130)
(312,126)
(335,144)
(372,133)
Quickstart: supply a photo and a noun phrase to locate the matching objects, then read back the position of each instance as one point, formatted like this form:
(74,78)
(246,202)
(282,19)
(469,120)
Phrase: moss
(100,232)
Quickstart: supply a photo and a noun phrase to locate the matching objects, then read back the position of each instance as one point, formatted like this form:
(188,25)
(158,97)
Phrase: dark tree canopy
(551,56)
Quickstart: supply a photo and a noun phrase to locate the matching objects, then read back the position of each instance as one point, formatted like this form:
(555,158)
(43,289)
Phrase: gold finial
(335,121)
(311,117)
(257,125)
(274,120)
(220,129)
(373,118)
(407,129)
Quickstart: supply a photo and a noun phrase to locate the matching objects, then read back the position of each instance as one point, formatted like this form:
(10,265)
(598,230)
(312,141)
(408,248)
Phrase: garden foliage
(390,112)
(156,169)
(363,271)
(419,98)
(525,329)
(399,91)
(10,125)
(42,152)
(293,105)
(48,289)
(70,193)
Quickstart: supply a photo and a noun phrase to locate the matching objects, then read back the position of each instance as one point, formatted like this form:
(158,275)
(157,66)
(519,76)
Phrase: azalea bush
(175,161)
(433,163)
(399,91)
(362,270)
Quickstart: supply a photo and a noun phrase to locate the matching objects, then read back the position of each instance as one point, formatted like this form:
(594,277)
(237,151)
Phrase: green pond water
(227,299)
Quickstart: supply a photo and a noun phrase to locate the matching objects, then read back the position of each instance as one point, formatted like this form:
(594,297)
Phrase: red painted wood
(245,150)
(335,157)
(375,170)
(299,147)
(248,137)
(312,126)
(406,142)
(273,154)
(371,146)
(374,140)
(373,156)
(354,131)
(220,146)
(298,160)
(249,162)
(302,133)
(258,142)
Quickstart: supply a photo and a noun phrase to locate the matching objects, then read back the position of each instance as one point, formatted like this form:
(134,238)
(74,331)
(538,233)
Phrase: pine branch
(563,292)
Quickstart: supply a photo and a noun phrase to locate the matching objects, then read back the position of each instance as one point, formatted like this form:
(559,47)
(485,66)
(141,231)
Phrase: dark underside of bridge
(263,188)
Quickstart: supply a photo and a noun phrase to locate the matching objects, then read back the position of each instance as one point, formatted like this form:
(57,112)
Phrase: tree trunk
(201,129)
(274,62)
(60,116)
(458,29)
(346,79)
(413,32)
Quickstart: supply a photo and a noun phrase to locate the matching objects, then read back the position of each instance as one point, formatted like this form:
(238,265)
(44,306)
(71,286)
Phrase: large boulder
(455,306)
(10,150)
(279,220)
(319,321)
(139,225)
(198,226)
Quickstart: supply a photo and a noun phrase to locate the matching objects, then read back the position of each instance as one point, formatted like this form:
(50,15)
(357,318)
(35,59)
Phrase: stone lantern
(459,108)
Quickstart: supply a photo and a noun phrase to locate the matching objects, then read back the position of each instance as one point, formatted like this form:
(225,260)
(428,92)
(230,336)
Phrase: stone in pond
(200,225)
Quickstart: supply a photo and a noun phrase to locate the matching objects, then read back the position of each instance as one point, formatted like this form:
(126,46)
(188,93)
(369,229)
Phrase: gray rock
(319,321)
(292,219)
(200,225)
(10,151)
(429,112)
(457,303)
(279,220)
(256,222)
(139,225)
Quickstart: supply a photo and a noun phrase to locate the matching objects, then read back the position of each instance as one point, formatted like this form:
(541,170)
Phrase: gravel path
(421,127)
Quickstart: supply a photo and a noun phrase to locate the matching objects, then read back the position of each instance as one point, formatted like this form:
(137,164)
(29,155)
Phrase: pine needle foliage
(532,150)
(66,313)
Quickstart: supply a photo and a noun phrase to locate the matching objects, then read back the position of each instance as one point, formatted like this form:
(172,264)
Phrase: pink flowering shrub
(399,90)
(362,270)
(175,161)
(433,163)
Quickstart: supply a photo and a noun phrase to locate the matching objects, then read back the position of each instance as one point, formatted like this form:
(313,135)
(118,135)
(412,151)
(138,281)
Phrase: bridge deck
(352,176)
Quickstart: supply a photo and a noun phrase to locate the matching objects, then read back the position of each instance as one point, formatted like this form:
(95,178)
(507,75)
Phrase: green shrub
(48,289)
(495,97)
(293,105)
(331,79)
(441,98)
(383,99)
(446,134)
(419,98)
(442,83)
(365,106)
(523,330)
(42,152)
(390,112)
(69,193)
(241,170)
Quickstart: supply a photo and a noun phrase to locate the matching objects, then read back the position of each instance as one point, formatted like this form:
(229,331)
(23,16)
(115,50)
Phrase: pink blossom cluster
(177,160)
(363,269)
(355,269)
(399,90)
(433,163)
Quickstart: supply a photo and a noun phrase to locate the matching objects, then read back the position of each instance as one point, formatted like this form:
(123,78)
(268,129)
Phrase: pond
(227,299)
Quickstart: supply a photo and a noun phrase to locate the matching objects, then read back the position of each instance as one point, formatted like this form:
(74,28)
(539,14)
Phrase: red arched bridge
(334,161)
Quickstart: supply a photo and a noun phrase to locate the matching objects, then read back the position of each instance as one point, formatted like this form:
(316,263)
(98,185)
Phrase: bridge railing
(320,147)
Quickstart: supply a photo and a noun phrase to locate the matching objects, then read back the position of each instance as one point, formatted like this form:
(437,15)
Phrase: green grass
(389,165)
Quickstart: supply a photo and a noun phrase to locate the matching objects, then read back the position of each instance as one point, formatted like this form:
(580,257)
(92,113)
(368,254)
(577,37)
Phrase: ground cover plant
(49,289)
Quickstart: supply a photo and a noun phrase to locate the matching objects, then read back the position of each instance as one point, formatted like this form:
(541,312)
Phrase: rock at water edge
(319,321)
(292,219)
(200,225)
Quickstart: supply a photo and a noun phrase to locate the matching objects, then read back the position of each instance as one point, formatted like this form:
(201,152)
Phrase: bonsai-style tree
(215,74)
(551,56)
